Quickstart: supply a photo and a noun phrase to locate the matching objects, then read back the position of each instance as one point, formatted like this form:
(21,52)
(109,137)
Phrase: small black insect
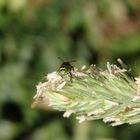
(66,67)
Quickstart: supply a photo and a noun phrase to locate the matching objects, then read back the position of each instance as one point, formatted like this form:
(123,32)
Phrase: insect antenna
(60,59)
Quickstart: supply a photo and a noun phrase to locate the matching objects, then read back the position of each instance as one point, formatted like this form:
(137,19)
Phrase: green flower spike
(110,95)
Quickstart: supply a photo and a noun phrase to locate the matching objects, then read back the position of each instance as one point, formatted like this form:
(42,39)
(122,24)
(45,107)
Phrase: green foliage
(34,33)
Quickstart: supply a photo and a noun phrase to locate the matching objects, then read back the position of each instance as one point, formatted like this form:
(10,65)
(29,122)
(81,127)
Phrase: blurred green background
(34,33)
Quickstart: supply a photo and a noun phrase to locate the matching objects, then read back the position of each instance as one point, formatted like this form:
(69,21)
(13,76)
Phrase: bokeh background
(34,33)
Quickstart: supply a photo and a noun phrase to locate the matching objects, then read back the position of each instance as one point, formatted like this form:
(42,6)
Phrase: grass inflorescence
(93,93)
